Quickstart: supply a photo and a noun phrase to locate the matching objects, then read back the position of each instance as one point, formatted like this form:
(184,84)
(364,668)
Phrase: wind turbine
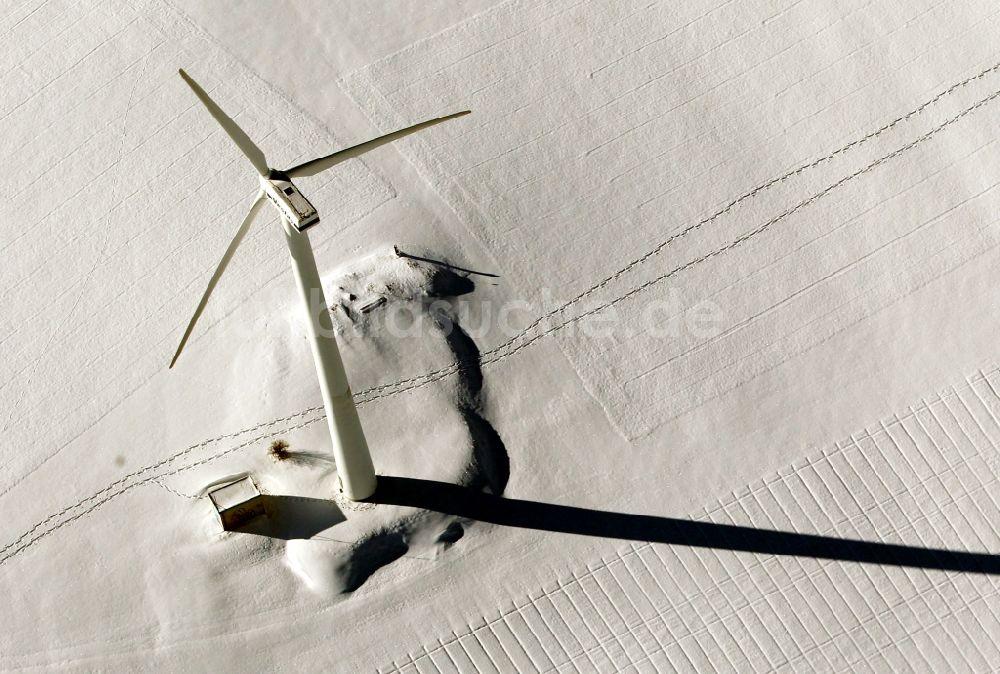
(350,449)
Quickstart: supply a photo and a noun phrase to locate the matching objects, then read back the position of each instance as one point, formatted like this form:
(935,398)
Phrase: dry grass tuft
(279,450)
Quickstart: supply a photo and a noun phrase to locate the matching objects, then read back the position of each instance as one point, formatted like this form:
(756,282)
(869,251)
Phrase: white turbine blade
(316,165)
(242,140)
(233,245)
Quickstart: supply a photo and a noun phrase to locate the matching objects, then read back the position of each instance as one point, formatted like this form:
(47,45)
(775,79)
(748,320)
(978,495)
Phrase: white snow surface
(746,258)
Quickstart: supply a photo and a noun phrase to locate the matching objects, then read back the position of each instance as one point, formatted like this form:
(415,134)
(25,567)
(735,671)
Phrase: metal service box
(237,502)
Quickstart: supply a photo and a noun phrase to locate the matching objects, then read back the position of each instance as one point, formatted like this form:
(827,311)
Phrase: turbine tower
(350,449)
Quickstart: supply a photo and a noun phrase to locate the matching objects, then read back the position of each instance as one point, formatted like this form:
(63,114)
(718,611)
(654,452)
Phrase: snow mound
(393,314)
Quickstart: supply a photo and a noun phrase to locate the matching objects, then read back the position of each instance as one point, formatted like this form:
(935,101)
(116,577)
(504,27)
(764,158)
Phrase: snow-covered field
(687,265)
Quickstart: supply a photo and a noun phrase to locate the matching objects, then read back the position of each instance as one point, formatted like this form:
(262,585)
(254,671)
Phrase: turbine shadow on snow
(473,504)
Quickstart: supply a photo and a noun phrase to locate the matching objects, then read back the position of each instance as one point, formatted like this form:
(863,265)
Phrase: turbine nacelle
(290,202)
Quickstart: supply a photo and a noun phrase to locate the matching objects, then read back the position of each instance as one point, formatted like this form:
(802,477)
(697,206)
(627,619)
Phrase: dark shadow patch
(489,452)
(475,505)
(369,556)
(447,283)
(452,533)
(467,356)
(311,459)
(293,517)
